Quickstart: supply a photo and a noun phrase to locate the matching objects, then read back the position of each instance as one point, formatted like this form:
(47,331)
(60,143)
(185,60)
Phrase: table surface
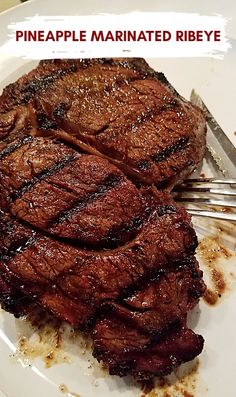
(5,4)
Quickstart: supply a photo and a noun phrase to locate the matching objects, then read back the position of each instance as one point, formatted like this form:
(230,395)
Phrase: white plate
(214,81)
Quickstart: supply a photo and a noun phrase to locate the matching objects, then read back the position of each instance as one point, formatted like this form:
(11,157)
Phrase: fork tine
(206,201)
(191,192)
(211,180)
(224,192)
(211,214)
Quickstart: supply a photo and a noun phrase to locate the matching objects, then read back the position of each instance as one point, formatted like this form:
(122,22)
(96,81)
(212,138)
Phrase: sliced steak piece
(77,196)
(119,108)
(164,357)
(161,302)
(39,265)
(124,350)
(163,241)
(145,334)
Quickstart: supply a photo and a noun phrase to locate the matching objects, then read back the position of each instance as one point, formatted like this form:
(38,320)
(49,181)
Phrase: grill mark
(150,113)
(164,184)
(176,147)
(37,85)
(16,145)
(113,235)
(143,117)
(185,264)
(109,183)
(42,175)
(162,155)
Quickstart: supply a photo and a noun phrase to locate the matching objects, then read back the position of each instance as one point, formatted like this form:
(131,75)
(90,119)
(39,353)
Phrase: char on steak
(78,237)
(121,109)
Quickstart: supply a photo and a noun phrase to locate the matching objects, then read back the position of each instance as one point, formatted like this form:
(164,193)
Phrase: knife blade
(219,145)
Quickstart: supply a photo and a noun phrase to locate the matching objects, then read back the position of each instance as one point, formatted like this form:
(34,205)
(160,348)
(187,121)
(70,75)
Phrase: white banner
(136,34)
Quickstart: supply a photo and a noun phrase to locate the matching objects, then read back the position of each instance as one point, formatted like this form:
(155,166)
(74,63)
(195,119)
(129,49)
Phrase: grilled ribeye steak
(80,239)
(69,194)
(120,109)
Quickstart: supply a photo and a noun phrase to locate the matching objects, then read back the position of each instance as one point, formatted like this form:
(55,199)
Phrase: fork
(196,192)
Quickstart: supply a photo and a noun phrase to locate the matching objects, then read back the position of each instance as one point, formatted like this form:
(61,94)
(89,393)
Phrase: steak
(120,109)
(135,335)
(139,355)
(85,233)
(69,194)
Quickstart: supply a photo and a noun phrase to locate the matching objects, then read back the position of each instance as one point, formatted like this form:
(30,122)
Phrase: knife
(219,145)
